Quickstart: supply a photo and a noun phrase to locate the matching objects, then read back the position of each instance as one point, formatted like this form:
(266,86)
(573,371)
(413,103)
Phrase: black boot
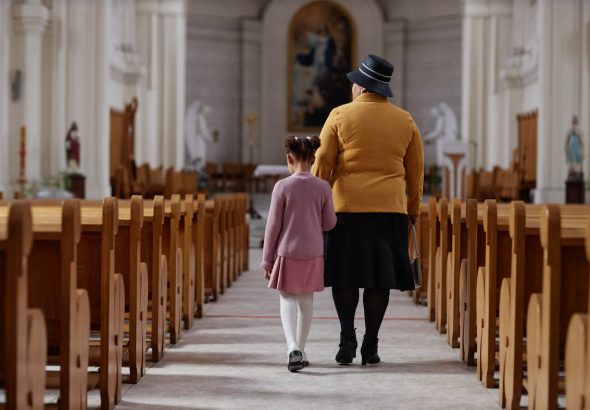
(369,351)
(348,347)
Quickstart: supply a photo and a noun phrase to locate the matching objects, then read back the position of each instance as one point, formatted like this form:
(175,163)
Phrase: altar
(277,171)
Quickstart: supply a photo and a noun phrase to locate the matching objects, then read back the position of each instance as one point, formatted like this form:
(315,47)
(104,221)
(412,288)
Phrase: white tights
(296,315)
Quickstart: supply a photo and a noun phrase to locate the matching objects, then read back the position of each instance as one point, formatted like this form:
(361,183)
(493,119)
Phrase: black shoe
(369,351)
(295,361)
(348,347)
(305,363)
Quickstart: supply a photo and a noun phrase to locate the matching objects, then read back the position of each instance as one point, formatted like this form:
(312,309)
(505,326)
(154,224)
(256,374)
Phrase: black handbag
(415,262)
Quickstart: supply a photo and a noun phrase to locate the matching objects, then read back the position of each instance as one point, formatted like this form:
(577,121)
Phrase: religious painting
(320,54)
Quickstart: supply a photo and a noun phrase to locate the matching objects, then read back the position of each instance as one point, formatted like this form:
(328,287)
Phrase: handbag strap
(415,238)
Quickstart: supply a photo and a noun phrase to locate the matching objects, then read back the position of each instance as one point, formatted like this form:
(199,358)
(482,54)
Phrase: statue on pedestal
(574,153)
(445,130)
(197,134)
(73,149)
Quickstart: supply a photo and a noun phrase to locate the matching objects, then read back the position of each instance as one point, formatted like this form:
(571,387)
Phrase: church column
(173,60)
(486,39)
(475,42)
(148,41)
(251,87)
(29,22)
(395,38)
(5,39)
(500,34)
(95,111)
(585,103)
(560,57)
(58,75)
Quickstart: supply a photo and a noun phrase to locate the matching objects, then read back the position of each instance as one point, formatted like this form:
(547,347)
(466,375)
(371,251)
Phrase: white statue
(445,131)
(196,133)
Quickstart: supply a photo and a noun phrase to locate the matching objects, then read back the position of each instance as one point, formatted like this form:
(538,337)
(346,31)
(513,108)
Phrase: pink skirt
(297,275)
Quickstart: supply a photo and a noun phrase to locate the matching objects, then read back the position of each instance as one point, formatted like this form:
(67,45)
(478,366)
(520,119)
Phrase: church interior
(140,141)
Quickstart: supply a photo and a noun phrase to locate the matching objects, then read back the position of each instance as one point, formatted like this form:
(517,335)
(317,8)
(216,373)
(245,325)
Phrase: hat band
(376,72)
(371,77)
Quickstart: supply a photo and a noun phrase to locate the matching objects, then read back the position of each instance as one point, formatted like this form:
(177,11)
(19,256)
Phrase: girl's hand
(266,274)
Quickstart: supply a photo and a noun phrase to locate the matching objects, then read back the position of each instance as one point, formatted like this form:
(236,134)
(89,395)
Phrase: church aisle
(235,358)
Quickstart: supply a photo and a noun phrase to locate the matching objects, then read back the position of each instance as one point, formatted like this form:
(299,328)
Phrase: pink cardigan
(301,208)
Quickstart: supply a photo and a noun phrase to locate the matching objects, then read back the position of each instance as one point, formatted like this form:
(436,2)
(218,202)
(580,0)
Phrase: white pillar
(585,110)
(29,22)
(499,152)
(395,40)
(486,40)
(147,144)
(5,40)
(173,66)
(91,94)
(473,80)
(59,79)
(251,86)
(561,82)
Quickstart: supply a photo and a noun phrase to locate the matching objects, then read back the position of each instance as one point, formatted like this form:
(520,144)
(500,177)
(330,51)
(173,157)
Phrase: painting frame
(343,86)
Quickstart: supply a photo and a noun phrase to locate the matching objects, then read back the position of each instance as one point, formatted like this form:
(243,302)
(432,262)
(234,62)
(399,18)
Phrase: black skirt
(368,250)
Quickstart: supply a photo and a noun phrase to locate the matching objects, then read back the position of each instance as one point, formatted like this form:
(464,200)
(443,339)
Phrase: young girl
(301,208)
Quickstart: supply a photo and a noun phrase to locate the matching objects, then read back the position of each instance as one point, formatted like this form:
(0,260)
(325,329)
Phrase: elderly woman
(371,153)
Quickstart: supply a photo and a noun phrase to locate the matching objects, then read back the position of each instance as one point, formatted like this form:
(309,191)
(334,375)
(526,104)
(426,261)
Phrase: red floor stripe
(315,317)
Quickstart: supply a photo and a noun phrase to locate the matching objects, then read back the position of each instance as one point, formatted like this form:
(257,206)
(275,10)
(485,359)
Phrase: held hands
(266,274)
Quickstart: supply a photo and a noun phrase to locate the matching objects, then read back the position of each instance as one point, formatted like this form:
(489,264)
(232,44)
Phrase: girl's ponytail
(302,148)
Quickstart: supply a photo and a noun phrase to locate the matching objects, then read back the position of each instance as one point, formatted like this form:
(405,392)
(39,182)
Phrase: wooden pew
(199,246)
(135,276)
(231,239)
(565,292)
(467,282)
(422,233)
(188,262)
(441,266)
(173,251)
(53,288)
(223,242)
(525,279)
(433,242)
(152,254)
(106,292)
(497,242)
(457,257)
(245,235)
(23,337)
(511,285)
(212,242)
(134,273)
(577,355)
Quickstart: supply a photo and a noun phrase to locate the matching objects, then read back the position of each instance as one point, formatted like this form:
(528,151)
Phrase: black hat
(373,74)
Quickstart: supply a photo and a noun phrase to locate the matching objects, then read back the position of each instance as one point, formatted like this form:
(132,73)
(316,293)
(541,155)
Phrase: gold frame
(353,52)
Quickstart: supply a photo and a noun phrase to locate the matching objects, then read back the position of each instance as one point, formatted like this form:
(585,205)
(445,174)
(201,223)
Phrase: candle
(22,152)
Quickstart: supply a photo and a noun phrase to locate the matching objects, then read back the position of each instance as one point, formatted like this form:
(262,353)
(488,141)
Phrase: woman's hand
(413,219)
(266,274)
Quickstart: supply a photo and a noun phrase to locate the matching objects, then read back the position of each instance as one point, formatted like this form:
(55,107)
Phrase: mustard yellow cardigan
(372,155)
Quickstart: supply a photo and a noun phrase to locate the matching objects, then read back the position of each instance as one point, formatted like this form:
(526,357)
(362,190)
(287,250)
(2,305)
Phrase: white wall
(413,10)
(227,8)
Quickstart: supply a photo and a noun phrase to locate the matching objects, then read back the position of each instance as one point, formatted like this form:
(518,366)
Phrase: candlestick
(22,157)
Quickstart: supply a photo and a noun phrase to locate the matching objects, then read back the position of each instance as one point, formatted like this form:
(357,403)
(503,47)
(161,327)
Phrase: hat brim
(372,85)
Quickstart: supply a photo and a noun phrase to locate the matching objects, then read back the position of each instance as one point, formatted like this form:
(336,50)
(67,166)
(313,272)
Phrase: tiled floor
(236,358)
